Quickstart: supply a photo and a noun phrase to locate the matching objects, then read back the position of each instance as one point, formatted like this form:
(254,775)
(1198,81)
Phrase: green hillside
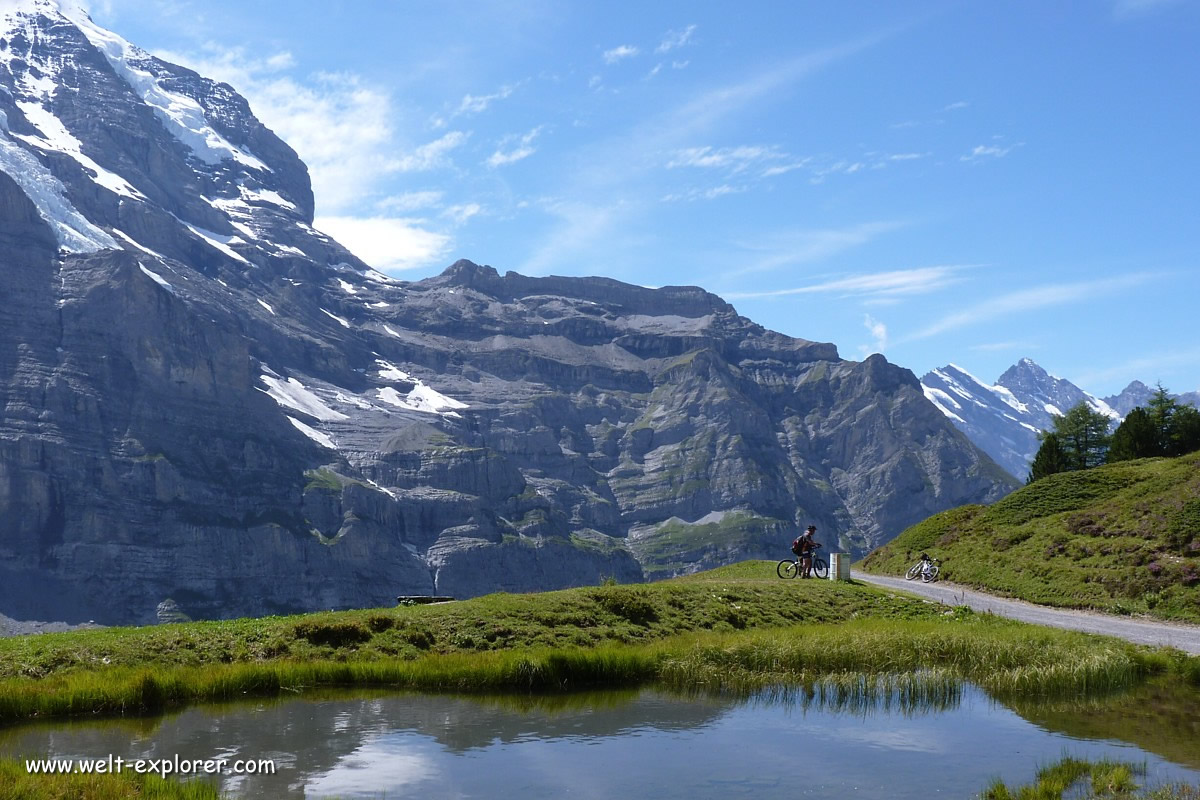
(1121,538)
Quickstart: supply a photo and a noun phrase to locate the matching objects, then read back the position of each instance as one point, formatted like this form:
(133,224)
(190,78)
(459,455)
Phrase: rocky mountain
(1134,395)
(206,401)
(1005,418)
(1139,394)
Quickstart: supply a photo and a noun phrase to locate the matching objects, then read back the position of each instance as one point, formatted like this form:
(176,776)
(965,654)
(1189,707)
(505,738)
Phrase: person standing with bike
(805,549)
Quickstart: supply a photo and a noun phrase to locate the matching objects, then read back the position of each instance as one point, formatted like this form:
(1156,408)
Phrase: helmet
(812,527)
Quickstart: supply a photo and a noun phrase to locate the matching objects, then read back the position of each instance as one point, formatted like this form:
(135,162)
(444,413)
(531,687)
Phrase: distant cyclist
(804,548)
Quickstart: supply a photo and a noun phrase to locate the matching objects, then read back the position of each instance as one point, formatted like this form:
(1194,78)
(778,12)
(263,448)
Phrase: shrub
(332,634)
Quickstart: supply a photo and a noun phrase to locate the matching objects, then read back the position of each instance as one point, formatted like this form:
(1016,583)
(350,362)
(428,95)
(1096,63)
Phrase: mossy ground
(1123,538)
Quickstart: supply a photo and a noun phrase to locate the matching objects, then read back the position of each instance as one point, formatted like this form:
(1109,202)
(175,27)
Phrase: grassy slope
(746,595)
(733,628)
(1123,538)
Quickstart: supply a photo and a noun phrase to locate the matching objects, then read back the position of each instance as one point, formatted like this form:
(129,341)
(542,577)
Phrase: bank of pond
(721,687)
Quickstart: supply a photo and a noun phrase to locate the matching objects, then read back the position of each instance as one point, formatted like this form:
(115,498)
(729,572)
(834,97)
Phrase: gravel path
(1139,631)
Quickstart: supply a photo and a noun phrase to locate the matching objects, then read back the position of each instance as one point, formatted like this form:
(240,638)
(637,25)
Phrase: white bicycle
(927,569)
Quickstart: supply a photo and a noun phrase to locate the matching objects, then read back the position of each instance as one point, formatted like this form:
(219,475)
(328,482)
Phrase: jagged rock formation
(202,398)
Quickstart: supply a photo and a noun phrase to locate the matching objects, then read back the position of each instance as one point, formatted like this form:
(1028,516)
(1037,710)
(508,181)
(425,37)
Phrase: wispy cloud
(710,193)
(475,104)
(805,246)
(955,106)
(675,39)
(734,159)
(879,336)
(431,155)
(462,212)
(903,282)
(607,169)
(339,124)
(581,226)
(619,53)
(524,149)
(986,151)
(411,201)
(1027,300)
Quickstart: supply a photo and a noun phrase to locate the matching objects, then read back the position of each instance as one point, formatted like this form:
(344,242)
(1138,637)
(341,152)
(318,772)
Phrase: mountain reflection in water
(642,743)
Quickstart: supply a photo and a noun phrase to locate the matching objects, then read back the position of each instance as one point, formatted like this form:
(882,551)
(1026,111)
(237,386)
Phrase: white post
(839,566)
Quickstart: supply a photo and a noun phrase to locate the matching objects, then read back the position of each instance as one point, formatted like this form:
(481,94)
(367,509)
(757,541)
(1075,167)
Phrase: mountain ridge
(1006,418)
(207,401)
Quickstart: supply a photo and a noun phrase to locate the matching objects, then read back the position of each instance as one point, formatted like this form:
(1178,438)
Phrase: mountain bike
(927,568)
(794,567)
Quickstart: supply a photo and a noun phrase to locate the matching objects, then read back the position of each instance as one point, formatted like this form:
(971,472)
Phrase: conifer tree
(1083,436)
(1136,437)
(1050,458)
(1185,431)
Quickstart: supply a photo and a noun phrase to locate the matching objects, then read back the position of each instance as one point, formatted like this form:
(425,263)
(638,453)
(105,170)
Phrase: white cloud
(955,106)
(431,155)
(987,151)
(675,39)
(462,212)
(524,149)
(340,125)
(387,243)
(1029,300)
(475,104)
(879,336)
(894,283)
(618,53)
(704,194)
(735,159)
(411,201)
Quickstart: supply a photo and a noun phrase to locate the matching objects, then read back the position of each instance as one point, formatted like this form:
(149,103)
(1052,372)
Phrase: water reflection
(879,742)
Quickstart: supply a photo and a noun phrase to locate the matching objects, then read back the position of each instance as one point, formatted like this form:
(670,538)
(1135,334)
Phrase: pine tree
(1083,435)
(1050,458)
(1162,408)
(1136,437)
(1185,431)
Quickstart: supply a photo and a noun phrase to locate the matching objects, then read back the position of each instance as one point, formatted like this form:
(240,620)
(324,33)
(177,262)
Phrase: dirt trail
(1140,631)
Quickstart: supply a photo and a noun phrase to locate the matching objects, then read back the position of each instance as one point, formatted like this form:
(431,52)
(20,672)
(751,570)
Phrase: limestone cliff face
(203,399)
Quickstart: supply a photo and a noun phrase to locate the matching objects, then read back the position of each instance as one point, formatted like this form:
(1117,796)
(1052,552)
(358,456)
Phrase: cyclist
(805,546)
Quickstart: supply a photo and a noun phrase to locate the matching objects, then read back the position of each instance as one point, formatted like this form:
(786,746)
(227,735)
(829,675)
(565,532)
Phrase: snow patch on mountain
(74,232)
(55,136)
(183,116)
(294,395)
(314,434)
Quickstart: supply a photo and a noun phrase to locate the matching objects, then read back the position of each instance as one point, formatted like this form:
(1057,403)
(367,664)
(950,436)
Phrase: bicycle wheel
(931,575)
(787,569)
(820,568)
(913,572)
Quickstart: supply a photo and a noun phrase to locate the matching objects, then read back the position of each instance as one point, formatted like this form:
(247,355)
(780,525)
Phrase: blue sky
(938,181)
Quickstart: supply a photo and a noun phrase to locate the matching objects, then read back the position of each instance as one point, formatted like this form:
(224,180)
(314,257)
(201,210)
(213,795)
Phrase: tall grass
(914,661)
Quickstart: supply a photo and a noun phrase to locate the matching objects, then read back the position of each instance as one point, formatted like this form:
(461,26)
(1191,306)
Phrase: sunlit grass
(16,783)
